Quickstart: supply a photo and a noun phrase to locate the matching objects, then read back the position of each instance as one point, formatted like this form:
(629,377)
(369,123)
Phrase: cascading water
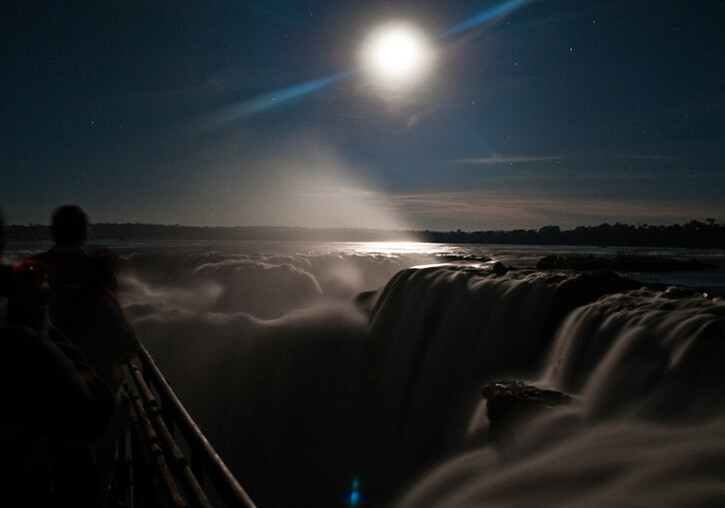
(312,401)
(645,367)
(438,334)
(644,351)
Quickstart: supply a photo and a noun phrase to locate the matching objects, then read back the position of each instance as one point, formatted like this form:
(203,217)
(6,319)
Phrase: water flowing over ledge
(639,362)
(309,393)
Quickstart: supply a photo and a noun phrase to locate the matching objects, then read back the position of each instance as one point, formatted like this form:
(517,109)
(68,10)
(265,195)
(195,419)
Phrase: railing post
(198,465)
(155,455)
(164,413)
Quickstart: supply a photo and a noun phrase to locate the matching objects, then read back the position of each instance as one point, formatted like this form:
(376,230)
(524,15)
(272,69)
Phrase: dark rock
(675,293)
(499,268)
(548,262)
(589,286)
(509,403)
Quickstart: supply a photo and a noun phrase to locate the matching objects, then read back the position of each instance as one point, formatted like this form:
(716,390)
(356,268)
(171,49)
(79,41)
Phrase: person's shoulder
(56,254)
(45,257)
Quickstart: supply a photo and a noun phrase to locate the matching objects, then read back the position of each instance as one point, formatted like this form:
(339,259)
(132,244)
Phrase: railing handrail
(223,480)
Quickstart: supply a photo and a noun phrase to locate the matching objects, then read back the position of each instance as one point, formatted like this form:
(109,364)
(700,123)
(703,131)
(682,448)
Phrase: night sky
(531,112)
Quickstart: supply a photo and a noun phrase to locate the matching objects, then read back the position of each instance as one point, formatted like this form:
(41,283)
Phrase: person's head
(69,226)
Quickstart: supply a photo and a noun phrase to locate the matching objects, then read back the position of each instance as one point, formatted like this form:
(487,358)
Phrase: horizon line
(369,229)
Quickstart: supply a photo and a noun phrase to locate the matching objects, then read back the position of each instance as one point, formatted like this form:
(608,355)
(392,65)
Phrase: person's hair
(69,226)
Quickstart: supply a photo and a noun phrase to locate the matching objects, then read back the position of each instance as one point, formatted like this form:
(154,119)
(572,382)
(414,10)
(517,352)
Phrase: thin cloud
(513,159)
(482,210)
(510,159)
(631,156)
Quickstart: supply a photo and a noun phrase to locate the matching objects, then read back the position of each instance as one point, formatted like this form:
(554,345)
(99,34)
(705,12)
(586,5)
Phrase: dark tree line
(693,234)
(706,234)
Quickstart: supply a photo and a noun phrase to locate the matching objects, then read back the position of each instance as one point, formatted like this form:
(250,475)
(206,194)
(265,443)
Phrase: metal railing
(151,468)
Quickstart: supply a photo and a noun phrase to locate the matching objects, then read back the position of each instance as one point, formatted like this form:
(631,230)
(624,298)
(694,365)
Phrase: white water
(647,427)
(302,389)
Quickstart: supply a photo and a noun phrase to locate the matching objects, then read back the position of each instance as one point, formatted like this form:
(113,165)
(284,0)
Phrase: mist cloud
(288,181)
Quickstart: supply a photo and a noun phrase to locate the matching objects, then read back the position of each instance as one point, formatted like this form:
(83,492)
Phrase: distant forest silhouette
(708,234)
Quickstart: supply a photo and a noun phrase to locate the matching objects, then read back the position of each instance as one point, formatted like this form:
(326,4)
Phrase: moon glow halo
(396,55)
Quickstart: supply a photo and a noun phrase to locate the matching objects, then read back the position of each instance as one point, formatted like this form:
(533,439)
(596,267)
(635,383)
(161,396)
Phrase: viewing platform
(163,457)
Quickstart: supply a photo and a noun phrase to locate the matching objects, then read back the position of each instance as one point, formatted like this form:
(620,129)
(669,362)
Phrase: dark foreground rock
(508,403)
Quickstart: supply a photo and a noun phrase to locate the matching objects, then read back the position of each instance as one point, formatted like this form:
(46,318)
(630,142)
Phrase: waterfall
(644,366)
(645,351)
(439,333)
(387,396)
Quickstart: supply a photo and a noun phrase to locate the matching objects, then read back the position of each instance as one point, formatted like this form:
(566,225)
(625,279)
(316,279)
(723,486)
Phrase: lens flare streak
(271,100)
(486,16)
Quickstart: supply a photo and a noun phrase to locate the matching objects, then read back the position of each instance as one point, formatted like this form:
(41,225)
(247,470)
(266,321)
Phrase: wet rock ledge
(509,403)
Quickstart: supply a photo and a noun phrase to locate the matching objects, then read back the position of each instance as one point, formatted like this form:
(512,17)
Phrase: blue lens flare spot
(355,493)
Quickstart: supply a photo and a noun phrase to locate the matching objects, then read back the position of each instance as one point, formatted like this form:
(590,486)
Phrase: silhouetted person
(83,302)
(53,404)
(84,307)
(69,264)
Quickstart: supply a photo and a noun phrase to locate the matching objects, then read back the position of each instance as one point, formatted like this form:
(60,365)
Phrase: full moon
(396,55)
